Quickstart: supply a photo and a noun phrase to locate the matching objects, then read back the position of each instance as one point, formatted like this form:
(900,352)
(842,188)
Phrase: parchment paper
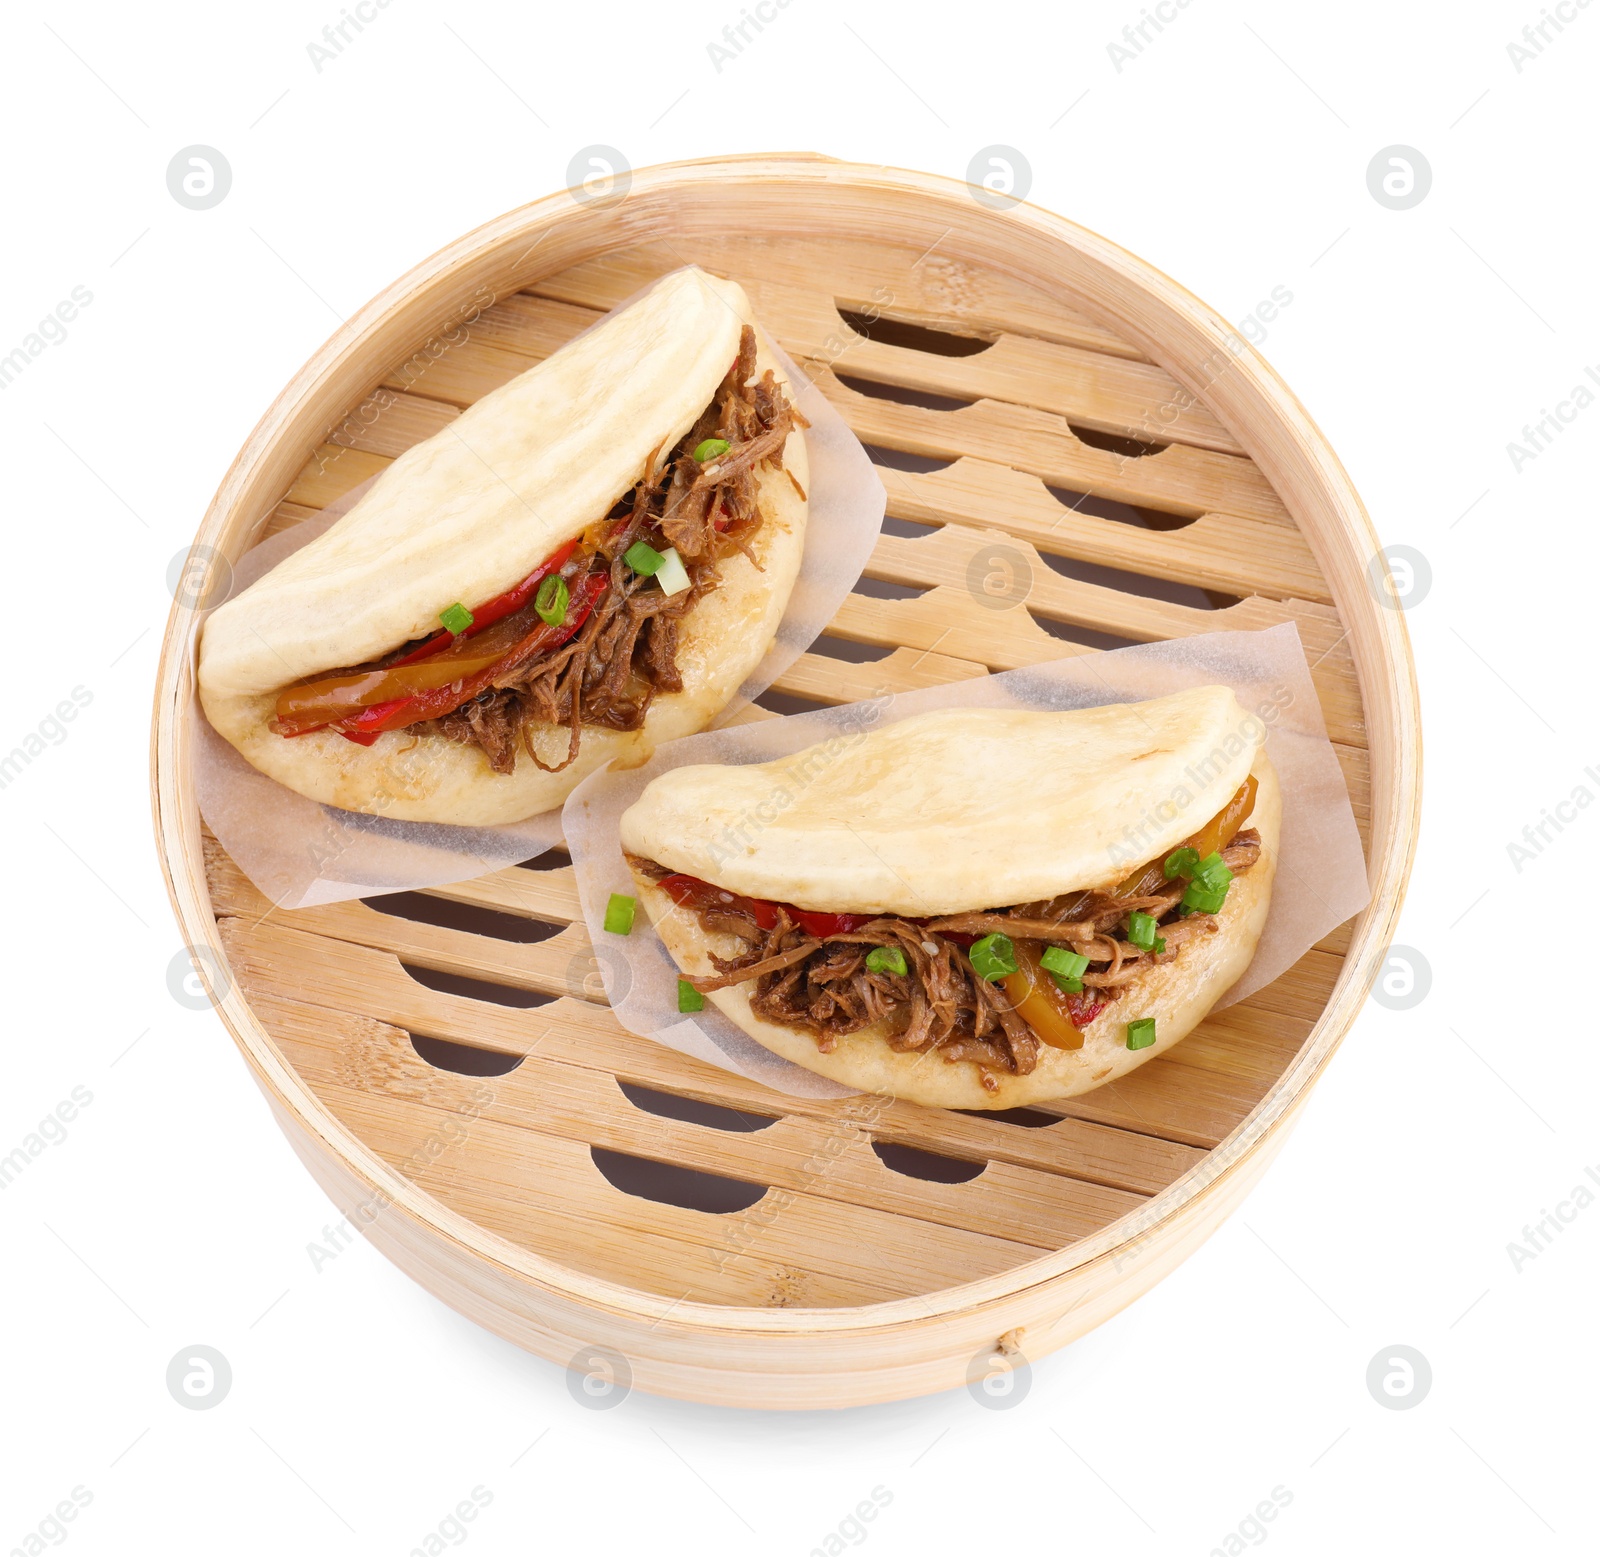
(1321,878)
(299,852)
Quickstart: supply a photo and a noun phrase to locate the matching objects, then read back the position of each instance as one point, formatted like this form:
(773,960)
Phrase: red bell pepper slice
(442,661)
(365,727)
(491,611)
(692,892)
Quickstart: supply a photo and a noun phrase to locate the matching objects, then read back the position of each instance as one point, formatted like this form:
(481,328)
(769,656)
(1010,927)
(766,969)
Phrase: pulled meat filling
(626,649)
(821,983)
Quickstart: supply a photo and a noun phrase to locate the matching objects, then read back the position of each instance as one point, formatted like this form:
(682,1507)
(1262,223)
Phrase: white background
(1232,152)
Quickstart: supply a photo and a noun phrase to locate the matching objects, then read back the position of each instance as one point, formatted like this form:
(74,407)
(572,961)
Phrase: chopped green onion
(690,998)
(886,959)
(672,576)
(711,449)
(1142,1034)
(1212,874)
(457,618)
(1066,968)
(551,601)
(619,913)
(1181,862)
(1141,930)
(642,558)
(1160,945)
(993,957)
(1200,899)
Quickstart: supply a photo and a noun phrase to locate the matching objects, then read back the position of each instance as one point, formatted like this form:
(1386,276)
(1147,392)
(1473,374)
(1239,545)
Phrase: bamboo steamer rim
(1104,281)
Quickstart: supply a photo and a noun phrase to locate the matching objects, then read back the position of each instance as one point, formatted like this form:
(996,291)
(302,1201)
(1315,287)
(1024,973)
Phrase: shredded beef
(822,985)
(627,650)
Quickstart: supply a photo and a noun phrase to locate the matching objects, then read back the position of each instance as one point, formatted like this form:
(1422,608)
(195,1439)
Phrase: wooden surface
(585,1193)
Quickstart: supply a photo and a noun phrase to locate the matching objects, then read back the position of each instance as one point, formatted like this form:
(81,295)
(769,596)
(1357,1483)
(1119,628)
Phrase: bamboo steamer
(731,1244)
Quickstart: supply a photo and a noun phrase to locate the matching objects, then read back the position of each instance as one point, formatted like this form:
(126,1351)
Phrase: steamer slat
(1221,551)
(1176,480)
(535,1175)
(1103,393)
(831,1159)
(923,286)
(286,965)
(550,895)
(824,679)
(543,1216)
(948,619)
